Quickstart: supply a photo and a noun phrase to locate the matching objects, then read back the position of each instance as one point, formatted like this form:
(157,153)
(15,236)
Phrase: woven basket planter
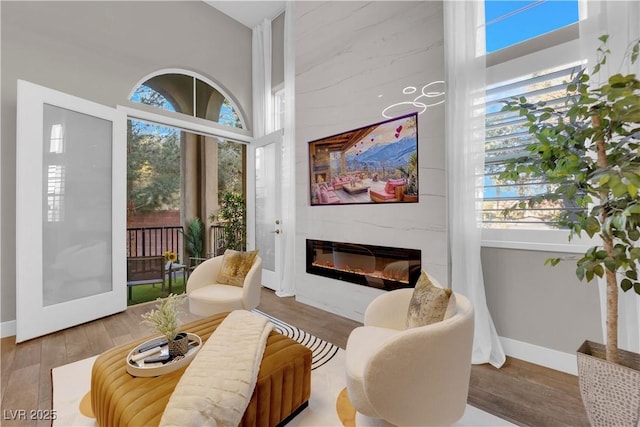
(610,391)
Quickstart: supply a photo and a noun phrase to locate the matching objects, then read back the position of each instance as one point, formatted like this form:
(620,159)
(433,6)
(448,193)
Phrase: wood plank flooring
(523,393)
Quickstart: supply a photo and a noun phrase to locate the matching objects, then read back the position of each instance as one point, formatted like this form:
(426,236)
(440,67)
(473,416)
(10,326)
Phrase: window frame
(518,65)
(185,122)
(195,76)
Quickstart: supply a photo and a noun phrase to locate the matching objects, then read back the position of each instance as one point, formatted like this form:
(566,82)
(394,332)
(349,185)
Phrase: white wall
(352,60)
(539,304)
(99,51)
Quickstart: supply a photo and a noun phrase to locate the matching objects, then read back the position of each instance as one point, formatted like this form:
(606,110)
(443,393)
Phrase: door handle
(276,231)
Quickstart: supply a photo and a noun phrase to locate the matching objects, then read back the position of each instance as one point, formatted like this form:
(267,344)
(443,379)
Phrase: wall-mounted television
(372,164)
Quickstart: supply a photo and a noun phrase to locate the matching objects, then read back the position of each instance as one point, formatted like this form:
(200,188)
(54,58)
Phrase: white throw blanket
(216,388)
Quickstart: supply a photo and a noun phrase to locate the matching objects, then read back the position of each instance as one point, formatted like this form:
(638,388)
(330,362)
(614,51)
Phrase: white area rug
(322,350)
(72,382)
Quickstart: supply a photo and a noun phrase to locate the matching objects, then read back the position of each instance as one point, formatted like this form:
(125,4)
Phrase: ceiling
(249,13)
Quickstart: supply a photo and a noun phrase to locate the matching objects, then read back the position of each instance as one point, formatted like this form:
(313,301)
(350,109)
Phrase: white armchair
(417,376)
(208,297)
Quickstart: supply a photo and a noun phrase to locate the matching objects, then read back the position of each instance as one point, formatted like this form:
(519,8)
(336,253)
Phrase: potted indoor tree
(589,148)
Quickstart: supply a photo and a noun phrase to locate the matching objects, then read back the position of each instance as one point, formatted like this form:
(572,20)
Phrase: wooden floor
(520,392)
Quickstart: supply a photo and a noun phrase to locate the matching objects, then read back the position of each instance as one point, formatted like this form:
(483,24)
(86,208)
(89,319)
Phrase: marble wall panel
(353,60)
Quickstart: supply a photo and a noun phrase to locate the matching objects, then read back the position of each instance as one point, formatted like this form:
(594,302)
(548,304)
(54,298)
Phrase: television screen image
(373,164)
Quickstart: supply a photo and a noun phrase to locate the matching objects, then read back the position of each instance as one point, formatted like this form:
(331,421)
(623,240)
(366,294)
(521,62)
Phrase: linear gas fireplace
(379,267)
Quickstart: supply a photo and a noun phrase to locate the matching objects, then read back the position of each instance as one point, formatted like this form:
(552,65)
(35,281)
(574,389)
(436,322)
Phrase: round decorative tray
(137,366)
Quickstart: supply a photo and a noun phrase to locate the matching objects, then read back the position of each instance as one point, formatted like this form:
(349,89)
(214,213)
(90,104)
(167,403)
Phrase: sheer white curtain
(621,21)
(465,75)
(261,79)
(288,157)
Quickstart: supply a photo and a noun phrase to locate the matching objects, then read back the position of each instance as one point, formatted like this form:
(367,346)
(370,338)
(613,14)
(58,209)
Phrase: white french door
(265,154)
(70,209)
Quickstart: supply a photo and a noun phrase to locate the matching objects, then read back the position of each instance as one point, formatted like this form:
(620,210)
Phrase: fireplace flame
(395,275)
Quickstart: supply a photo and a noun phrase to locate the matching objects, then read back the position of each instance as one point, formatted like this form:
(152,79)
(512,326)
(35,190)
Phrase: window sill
(536,240)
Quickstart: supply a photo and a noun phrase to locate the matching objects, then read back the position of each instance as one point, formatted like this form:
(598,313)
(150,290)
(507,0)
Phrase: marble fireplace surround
(379,267)
(352,61)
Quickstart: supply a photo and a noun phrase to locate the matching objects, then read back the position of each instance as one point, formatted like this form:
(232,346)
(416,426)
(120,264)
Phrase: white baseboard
(543,356)
(7,329)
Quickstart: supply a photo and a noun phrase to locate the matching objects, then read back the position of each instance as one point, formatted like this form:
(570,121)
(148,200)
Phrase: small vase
(179,346)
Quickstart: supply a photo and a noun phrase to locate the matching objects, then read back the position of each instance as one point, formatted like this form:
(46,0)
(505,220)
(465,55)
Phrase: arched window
(190,94)
(177,173)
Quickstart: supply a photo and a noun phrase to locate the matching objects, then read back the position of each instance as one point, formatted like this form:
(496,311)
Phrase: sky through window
(512,22)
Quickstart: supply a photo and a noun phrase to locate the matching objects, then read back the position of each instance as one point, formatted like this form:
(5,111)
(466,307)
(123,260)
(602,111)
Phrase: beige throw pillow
(429,303)
(235,266)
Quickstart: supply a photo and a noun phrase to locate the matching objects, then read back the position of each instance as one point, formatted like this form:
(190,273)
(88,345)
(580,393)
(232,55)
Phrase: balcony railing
(218,243)
(217,240)
(153,241)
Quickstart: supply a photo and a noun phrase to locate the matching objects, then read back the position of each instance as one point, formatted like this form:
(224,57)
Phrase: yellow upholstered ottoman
(282,390)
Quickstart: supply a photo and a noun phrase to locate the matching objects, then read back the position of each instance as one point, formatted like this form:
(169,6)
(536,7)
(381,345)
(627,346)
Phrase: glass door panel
(76,227)
(265,205)
(267,153)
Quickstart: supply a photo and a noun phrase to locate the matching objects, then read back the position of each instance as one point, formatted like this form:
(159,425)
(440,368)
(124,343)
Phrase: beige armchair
(410,377)
(208,297)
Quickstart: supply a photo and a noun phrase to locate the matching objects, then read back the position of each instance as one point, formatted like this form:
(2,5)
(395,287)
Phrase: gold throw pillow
(428,303)
(235,266)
